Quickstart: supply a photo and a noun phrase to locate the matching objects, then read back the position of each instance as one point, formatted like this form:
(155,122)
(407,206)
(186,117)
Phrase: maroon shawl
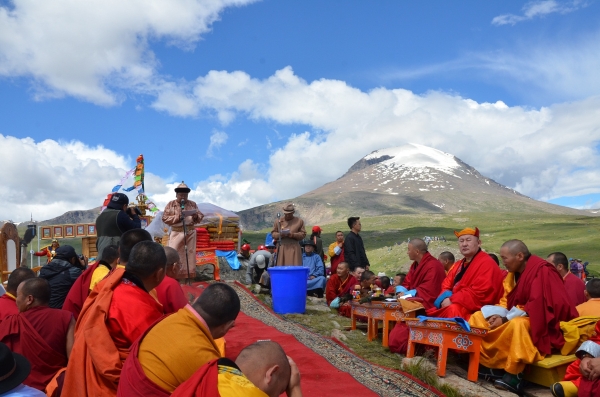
(426,277)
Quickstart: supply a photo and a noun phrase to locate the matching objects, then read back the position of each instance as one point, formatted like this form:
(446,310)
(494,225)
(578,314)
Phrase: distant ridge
(407,179)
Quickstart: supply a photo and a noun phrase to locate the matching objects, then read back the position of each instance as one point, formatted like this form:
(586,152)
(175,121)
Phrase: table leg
(370,328)
(353,318)
(386,332)
(441,364)
(410,349)
(473,365)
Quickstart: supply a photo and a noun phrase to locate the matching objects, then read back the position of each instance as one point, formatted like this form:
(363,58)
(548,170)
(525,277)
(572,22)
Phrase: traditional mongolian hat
(182,188)
(469,231)
(308,241)
(289,208)
(14,369)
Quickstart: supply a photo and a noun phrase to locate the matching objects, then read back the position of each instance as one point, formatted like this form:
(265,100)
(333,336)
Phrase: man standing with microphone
(177,212)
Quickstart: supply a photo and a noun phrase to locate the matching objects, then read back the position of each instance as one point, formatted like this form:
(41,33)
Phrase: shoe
(257,289)
(557,390)
(511,383)
(490,373)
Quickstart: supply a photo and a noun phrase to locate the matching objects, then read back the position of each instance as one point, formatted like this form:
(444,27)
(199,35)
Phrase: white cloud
(48,178)
(539,8)
(94,49)
(536,150)
(217,139)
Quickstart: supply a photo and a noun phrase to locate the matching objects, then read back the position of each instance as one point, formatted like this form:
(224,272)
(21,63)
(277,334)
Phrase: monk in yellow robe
(261,370)
(177,346)
(592,306)
(531,328)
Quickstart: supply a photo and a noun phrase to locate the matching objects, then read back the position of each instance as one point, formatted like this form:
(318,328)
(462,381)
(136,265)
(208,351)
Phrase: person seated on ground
(592,293)
(81,289)
(424,281)
(367,282)
(336,251)
(386,287)
(8,301)
(42,334)
(169,292)
(398,280)
(447,259)
(110,258)
(475,280)
(528,327)
(583,375)
(261,369)
(244,253)
(62,272)
(340,285)
(117,312)
(575,287)
(14,369)
(256,267)
(315,285)
(48,251)
(357,273)
(177,346)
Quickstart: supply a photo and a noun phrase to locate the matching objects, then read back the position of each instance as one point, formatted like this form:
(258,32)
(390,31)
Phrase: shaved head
(517,247)
(418,244)
(172,255)
(18,275)
(266,365)
(38,288)
(343,265)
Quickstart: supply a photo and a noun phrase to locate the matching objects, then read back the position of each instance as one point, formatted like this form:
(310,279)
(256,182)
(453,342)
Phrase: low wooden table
(375,312)
(446,335)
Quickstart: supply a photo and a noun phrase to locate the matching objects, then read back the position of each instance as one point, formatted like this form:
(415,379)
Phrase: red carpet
(319,377)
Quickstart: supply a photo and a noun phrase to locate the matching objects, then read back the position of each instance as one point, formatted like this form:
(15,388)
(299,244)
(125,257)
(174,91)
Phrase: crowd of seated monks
(533,309)
(126,329)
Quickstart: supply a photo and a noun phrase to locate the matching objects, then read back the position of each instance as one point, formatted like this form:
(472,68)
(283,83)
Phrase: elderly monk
(574,285)
(424,280)
(592,293)
(81,288)
(528,327)
(340,284)
(40,333)
(260,370)
(117,312)
(8,301)
(174,217)
(177,346)
(583,375)
(290,231)
(336,251)
(169,292)
(473,282)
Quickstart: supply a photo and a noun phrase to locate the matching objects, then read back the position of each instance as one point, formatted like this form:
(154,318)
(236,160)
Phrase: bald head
(266,365)
(419,245)
(33,292)
(516,247)
(18,275)
(514,254)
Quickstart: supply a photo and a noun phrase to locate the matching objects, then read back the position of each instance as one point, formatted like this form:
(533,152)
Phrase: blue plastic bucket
(288,288)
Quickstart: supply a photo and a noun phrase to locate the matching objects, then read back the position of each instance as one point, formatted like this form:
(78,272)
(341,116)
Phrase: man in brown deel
(289,252)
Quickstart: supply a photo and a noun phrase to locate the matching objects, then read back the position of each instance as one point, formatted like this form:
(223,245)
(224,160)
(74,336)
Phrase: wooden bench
(549,370)
(446,335)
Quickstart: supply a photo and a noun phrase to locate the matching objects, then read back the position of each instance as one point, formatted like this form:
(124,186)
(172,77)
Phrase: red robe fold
(575,289)
(170,295)
(426,277)
(204,382)
(79,291)
(8,306)
(136,383)
(336,288)
(21,337)
(480,285)
(542,291)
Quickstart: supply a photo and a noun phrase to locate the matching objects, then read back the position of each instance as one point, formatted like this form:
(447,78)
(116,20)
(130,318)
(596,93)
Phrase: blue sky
(291,93)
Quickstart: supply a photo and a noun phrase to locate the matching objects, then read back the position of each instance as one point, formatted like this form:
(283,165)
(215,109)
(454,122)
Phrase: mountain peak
(415,156)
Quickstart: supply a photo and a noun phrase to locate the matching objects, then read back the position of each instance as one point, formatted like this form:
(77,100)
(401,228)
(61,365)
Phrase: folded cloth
(231,257)
(458,320)
(400,288)
(335,303)
(589,347)
(440,299)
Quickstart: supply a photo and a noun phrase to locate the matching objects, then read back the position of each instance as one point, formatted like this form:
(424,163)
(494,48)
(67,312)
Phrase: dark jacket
(110,225)
(61,276)
(354,251)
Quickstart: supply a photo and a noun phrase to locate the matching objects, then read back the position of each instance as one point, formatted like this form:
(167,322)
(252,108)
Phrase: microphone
(182,203)
(278,215)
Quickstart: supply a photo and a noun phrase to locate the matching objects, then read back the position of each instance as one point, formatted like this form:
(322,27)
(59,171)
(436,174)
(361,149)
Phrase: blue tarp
(458,320)
(231,257)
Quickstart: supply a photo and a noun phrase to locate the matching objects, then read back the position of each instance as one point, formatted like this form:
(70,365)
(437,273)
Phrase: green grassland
(385,236)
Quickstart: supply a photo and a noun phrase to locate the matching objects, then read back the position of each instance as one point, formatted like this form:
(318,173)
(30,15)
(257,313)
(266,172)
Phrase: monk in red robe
(8,301)
(424,281)
(340,284)
(574,285)
(40,333)
(178,345)
(117,312)
(169,292)
(81,288)
(583,375)
(261,369)
(473,282)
